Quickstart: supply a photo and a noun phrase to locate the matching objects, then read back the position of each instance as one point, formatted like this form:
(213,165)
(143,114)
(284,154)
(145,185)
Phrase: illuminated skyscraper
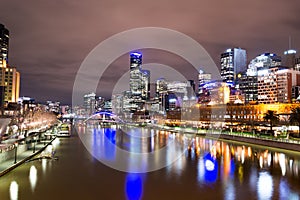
(145,84)
(139,78)
(4,39)
(203,79)
(233,62)
(9,76)
(289,58)
(10,79)
(297,64)
(135,74)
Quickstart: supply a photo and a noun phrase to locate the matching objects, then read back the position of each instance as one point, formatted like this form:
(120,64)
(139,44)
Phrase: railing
(10,146)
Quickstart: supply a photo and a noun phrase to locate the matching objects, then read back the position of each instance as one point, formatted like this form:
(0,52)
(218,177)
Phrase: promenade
(12,155)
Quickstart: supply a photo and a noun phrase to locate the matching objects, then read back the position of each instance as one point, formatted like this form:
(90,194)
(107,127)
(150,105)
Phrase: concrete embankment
(8,165)
(259,141)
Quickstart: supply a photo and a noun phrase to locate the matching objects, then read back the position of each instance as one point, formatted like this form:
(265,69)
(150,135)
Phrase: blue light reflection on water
(134,186)
(110,152)
(210,169)
(104,139)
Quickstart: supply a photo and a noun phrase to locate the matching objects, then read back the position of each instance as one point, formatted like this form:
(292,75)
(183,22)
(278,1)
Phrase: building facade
(10,80)
(233,62)
(4,41)
(275,85)
(139,78)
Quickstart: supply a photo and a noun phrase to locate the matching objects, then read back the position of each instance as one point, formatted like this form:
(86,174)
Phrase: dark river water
(180,167)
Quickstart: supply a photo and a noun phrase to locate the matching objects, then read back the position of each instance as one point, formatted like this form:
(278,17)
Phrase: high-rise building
(248,82)
(297,64)
(248,86)
(203,79)
(10,79)
(233,62)
(289,58)
(4,40)
(135,74)
(139,78)
(89,103)
(145,84)
(275,85)
(265,60)
(9,76)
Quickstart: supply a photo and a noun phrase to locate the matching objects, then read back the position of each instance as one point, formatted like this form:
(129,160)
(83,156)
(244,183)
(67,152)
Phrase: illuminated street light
(16,149)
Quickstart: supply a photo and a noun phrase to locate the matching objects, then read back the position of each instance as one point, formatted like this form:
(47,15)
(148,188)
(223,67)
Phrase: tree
(272,118)
(295,117)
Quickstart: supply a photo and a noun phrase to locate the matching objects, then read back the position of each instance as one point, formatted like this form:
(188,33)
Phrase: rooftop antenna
(290,42)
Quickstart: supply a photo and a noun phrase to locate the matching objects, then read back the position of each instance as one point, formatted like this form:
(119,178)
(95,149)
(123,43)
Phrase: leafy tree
(295,117)
(271,117)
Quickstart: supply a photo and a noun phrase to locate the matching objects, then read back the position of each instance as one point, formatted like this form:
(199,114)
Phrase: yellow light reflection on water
(33,177)
(13,190)
(44,165)
(282,163)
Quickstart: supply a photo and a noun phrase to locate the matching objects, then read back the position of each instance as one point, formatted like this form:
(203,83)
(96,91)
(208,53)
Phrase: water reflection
(14,190)
(208,169)
(264,186)
(117,147)
(33,177)
(134,186)
(44,165)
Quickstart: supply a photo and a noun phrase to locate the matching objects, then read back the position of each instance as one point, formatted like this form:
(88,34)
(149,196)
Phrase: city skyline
(48,49)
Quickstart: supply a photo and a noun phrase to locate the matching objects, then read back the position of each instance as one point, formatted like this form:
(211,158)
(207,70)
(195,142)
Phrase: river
(88,166)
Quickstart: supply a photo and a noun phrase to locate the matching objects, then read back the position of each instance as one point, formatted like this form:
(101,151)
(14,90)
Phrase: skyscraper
(233,62)
(248,82)
(139,78)
(135,74)
(145,84)
(4,39)
(9,76)
(203,78)
(289,58)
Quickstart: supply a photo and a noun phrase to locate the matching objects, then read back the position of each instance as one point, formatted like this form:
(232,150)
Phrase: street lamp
(34,139)
(16,149)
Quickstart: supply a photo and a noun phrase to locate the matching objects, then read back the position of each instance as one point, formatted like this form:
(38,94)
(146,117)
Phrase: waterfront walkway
(19,158)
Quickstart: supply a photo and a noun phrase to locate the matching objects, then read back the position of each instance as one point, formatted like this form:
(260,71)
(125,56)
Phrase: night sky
(50,39)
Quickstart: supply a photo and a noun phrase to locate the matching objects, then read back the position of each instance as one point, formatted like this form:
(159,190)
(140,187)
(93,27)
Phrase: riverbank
(279,143)
(18,159)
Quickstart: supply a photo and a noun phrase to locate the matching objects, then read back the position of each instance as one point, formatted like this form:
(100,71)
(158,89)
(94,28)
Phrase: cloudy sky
(50,39)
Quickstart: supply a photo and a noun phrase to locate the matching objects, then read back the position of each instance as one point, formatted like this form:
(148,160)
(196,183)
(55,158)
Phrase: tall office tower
(139,78)
(145,84)
(297,64)
(135,74)
(89,103)
(248,86)
(289,58)
(4,39)
(9,76)
(203,78)
(248,82)
(233,62)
